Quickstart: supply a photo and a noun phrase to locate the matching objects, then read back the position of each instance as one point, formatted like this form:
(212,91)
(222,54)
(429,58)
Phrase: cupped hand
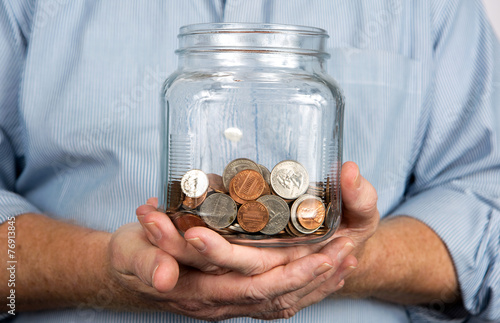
(156,281)
(208,251)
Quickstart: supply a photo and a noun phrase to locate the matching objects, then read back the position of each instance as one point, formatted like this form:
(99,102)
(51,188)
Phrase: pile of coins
(248,198)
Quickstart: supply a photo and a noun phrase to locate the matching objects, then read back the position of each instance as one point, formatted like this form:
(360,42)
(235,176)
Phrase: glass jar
(252,134)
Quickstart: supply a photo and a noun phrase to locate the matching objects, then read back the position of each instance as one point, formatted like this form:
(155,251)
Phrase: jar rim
(252,38)
(200,28)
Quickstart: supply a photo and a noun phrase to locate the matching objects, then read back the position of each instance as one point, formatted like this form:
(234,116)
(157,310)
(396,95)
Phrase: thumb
(359,199)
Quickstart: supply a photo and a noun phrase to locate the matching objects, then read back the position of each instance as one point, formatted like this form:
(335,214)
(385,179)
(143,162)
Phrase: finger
(234,288)
(161,232)
(132,255)
(316,291)
(340,248)
(243,259)
(359,198)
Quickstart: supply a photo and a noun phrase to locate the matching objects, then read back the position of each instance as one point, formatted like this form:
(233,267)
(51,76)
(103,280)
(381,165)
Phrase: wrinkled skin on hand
(204,276)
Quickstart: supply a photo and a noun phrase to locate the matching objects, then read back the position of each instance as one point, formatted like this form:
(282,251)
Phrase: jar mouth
(249,28)
(252,37)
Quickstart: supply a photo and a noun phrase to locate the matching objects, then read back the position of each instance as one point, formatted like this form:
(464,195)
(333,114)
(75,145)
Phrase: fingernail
(197,243)
(346,250)
(153,229)
(153,276)
(357,180)
(322,269)
(347,272)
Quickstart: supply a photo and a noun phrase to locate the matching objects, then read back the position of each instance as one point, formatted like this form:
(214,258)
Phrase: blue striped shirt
(79,87)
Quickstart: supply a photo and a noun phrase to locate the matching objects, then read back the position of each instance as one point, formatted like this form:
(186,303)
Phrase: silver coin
(194,183)
(236,166)
(293,213)
(333,217)
(279,213)
(289,179)
(218,211)
(265,173)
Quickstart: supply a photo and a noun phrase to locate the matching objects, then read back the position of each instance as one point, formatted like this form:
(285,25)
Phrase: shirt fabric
(79,109)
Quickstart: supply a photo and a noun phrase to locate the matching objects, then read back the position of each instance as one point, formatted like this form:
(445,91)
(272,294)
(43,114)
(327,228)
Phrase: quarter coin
(194,183)
(289,179)
(253,216)
(279,214)
(218,211)
(236,166)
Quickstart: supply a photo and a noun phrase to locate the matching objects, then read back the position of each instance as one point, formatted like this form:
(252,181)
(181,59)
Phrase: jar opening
(252,37)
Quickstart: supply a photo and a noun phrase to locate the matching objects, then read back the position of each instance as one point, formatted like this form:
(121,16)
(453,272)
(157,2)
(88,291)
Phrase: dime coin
(311,213)
(218,210)
(236,166)
(194,202)
(253,216)
(289,179)
(248,184)
(265,173)
(294,216)
(186,220)
(194,183)
(279,213)
(215,182)
(233,195)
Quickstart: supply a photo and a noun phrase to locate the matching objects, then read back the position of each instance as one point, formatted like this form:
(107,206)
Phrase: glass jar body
(251,146)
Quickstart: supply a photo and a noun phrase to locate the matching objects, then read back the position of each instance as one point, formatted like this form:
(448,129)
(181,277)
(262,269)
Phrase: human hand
(360,216)
(208,251)
(153,280)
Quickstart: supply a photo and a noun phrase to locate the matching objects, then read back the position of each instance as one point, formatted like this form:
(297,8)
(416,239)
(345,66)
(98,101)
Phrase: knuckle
(253,294)
(282,303)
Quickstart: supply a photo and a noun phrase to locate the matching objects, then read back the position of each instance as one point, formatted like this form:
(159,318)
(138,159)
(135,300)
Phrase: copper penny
(249,184)
(193,202)
(174,196)
(311,213)
(216,183)
(184,221)
(253,216)
(267,190)
(233,195)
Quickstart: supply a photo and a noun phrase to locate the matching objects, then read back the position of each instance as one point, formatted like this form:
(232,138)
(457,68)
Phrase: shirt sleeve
(13,50)
(456,185)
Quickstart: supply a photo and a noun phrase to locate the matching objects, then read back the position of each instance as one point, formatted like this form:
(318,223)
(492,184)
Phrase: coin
(289,179)
(233,195)
(194,202)
(311,213)
(186,220)
(218,210)
(290,229)
(236,166)
(175,196)
(215,182)
(253,216)
(279,213)
(248,184)
(265,173)
(294,217)
(267,190)
(194,183)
